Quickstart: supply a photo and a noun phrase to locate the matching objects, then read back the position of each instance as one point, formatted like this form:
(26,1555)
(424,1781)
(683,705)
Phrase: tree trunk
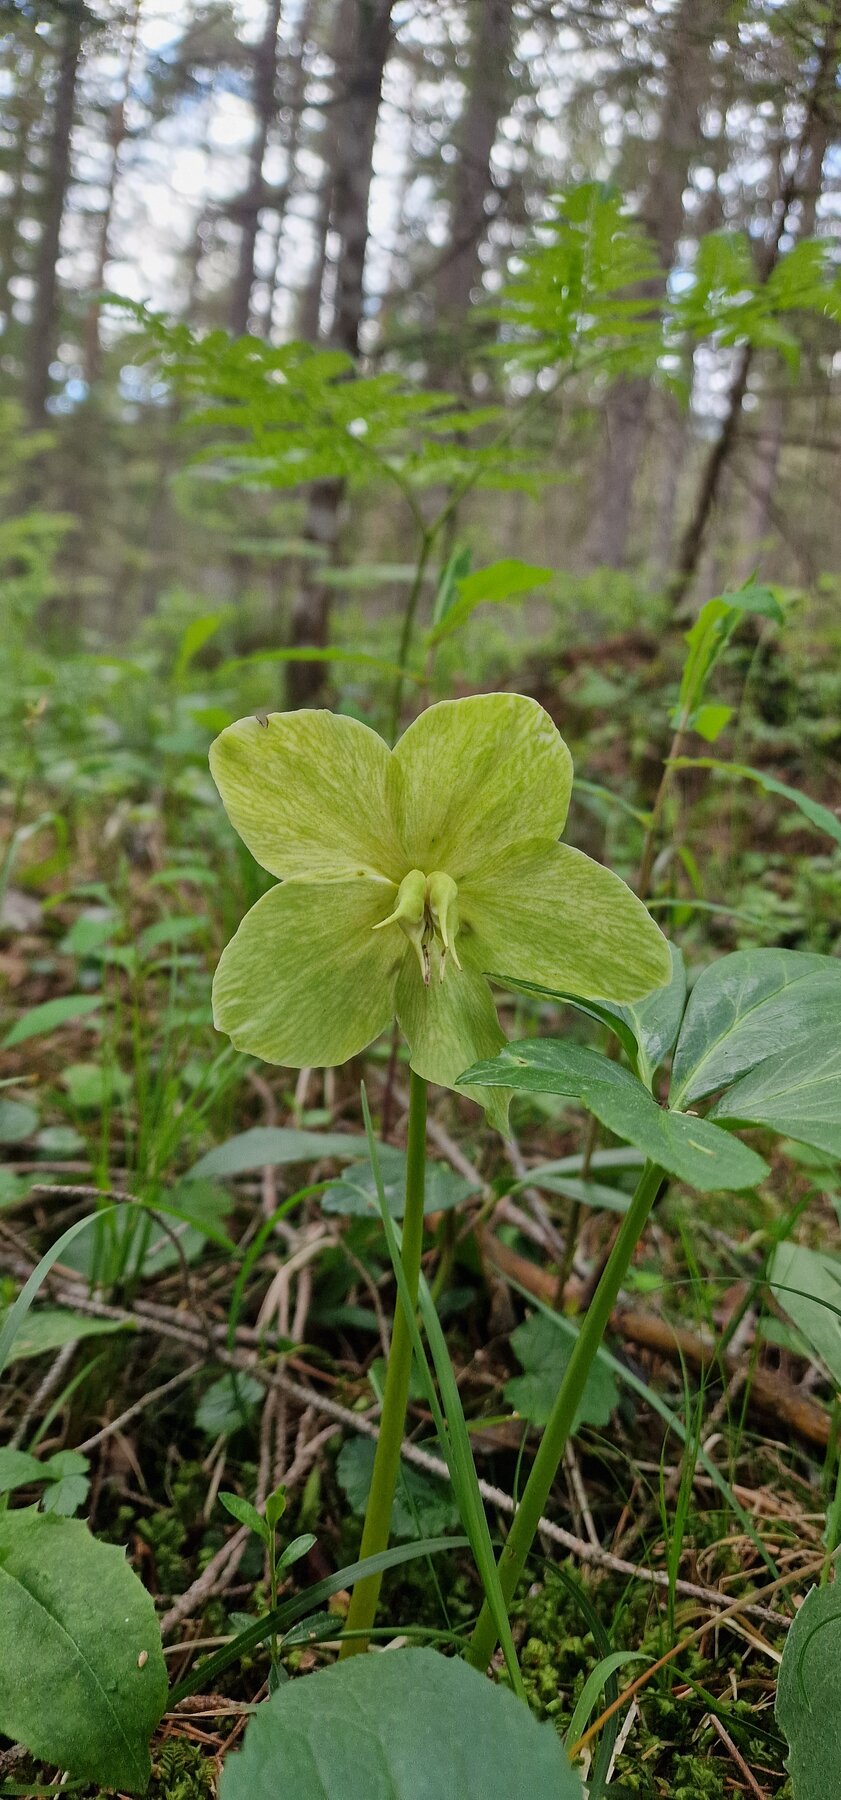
(312,295)
(116,139)
(661,212)
(44,323)
(357,112)
(293,102)
(251,204)
(801,188)
(460,269)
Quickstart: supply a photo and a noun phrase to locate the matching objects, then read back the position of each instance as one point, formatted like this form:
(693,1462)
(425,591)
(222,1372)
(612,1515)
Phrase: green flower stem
(404,651)
(559,1425)
(375,1534)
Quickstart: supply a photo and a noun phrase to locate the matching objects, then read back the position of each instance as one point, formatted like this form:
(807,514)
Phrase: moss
(181,1770)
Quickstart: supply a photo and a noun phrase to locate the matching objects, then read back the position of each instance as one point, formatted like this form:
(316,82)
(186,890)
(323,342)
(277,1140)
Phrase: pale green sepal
(548,914)
(476,775)
(445,1023)
(309,795)
(307,981)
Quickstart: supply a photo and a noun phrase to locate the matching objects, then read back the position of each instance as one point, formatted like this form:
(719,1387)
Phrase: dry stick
(140,1406)
(738,1758)
(172,1325)
(47,1387)
(695,533)
(225,1562)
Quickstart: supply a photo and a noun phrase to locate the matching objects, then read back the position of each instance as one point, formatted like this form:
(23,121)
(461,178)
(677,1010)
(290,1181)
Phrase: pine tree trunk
(357,112)
(460,269)
(251,204)
(116,139)
(44,321)
(626,406)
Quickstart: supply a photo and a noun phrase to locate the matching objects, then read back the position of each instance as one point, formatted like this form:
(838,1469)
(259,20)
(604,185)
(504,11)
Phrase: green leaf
(707,638)
(422,1506)
(18,1469)
(797,1093)
(817,815)
(197,634)
(508,579)
(17,1121)
(709,721)
(697,1152)
(300,1546)
(807,1285)
(49,1016)
(404,1726)
(355,1193)
(745,1007)
(543,1355)
(270,1146)
(228,1404)
(594,1686)
(646,1028)
(808,1707)
(82,1675)
(92,1087)
(246,1514)
(50,1328)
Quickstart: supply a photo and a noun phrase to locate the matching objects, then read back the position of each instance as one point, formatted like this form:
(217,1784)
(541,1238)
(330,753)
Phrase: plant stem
(559,1425)
(424,550)
(375,1534)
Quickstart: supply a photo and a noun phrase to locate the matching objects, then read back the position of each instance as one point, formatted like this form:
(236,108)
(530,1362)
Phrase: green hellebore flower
(405,876)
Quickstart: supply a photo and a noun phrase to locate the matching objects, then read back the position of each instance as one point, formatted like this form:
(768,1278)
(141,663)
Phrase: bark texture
(57,175)
(357,112)
(687,85)
(251,204)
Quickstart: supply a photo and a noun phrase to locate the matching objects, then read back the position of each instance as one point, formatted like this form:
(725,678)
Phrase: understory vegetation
(420,1298)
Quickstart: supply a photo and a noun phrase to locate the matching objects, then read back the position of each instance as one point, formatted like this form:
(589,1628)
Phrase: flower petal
(476,775)
(306,981)
(549,914)
(445,1023)
(308,794)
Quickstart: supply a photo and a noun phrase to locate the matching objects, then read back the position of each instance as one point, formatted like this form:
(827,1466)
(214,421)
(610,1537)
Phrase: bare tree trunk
(357,112)
(116,139)
(312,298)
(626,407)
(770,436)
(294,102)
(251,204)
(459,271)
(43,326)
(803,186)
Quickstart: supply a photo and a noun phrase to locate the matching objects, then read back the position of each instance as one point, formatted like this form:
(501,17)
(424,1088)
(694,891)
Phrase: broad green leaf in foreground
(82,1675)
(808,1705)
(797,1093)
(744,1008)
(695,1151)
(807,1285)
(407,1725)
(355,1192)
(645,1028)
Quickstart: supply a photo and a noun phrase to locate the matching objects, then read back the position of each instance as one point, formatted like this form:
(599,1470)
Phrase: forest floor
(224,1330)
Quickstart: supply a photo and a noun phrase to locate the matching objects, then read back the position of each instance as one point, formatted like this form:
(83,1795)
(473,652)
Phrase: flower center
(427,912)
